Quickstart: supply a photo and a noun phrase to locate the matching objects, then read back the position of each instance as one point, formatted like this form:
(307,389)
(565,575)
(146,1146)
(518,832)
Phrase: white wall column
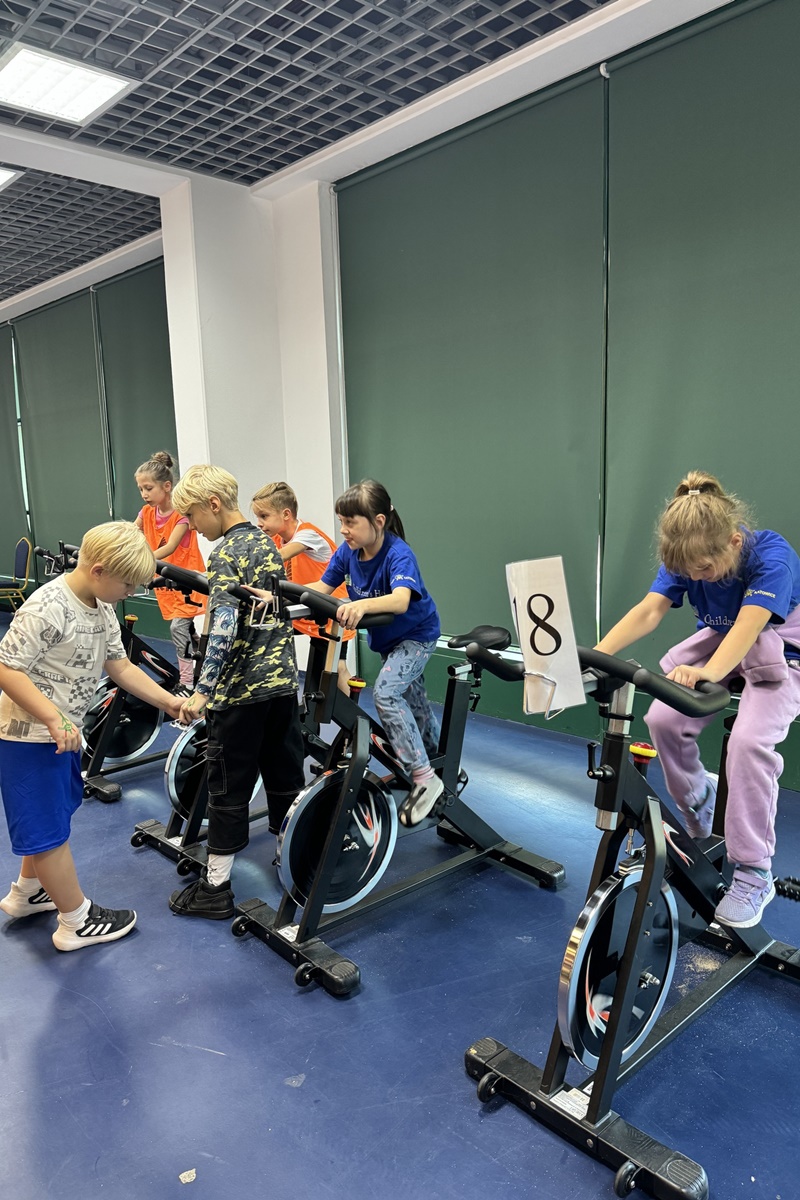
(308,318)
(223,325)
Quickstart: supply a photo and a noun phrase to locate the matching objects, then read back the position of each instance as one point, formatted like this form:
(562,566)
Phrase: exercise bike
(338,837)
(643,902)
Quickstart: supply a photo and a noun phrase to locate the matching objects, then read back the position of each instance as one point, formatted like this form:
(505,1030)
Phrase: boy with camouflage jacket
(247,689)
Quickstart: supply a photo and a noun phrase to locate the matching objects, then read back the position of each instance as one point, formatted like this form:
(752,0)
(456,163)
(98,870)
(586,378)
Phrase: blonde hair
(160,467)
(698,523)
(200,483)
(277,496)
(121,548)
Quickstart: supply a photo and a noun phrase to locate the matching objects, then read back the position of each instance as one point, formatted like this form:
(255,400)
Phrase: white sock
(218,868)
(28,887)
(423,775)
(74,919)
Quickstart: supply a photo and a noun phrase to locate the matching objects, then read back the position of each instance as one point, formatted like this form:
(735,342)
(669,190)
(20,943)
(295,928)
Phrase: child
(169,537)
(305,550)
(382,576)
(247,687)
(60,640)
(744,588)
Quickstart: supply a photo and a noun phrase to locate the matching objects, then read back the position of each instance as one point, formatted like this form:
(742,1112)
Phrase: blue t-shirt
(393,566)
(768,575)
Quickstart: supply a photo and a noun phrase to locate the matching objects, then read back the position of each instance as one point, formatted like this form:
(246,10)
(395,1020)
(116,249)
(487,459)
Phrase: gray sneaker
(698,821)
(742,904)
(420,801)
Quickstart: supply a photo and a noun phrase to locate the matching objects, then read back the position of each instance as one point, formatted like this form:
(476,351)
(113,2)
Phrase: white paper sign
(538,593)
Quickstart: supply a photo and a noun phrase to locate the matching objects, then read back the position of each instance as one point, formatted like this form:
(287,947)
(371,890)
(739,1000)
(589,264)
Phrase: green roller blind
(61,421)
(472,300)
(14,524)
(134,340)
(704,322)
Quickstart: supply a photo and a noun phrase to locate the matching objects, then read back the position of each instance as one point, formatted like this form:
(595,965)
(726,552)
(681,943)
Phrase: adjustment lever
(595,772)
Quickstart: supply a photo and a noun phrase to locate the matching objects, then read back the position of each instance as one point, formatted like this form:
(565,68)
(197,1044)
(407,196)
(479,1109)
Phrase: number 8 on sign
(540,623)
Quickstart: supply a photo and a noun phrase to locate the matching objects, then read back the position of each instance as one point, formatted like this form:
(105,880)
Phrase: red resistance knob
(643,753)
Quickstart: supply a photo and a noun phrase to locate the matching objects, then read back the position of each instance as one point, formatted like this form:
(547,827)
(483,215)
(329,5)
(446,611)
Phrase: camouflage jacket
(262,662)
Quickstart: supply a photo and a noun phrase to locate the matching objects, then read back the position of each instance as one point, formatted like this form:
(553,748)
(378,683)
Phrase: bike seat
(491,637)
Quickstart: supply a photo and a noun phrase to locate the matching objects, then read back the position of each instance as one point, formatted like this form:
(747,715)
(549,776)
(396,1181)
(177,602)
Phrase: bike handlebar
(326,607)
(703,701)
(189,581)
(512,672)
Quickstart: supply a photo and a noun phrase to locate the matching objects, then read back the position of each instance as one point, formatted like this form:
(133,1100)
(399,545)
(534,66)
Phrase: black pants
(244,741)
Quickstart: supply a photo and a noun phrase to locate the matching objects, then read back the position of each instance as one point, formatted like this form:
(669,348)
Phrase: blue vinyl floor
(182,1049)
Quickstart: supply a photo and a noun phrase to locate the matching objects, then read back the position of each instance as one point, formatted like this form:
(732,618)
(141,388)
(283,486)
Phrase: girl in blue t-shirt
(382,576)
(744,588)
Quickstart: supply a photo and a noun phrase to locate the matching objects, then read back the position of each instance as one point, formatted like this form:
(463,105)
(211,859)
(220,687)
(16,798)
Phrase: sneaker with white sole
(698,821)
(100,925)
(419,801)
(745,900)
(17,904)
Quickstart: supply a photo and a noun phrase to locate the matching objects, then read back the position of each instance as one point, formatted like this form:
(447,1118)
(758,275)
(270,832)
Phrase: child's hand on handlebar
(267,598)
(691,676)
(348,615)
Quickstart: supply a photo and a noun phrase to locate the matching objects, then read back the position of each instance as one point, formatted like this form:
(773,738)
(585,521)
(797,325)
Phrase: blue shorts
(41,790)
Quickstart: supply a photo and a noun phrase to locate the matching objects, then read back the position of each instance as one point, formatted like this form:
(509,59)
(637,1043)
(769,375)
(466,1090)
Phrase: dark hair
(698,523)
(160,467)
(369,499)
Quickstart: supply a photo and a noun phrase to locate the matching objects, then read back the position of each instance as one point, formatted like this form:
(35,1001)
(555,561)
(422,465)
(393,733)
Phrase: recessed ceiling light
(38,82)
(7,177)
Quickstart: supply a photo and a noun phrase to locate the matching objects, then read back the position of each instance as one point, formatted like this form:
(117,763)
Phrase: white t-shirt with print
(60,643)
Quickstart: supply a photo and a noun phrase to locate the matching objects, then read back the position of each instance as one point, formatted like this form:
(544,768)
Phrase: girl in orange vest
(169,536)
(305,550)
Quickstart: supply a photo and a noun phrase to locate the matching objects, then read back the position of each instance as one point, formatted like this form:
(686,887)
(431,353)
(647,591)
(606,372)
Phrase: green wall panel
(61,421)
(472,292)
(134,336)
(704,345)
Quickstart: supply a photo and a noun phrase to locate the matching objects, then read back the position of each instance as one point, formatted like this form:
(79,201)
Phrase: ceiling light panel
(37,82)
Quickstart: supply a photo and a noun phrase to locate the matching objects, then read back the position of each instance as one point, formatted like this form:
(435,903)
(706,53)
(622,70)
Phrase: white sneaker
(100,925)
(419,801)
(17,904)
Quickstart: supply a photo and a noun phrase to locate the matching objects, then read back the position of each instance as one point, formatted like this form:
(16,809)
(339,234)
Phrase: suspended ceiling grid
(238,89)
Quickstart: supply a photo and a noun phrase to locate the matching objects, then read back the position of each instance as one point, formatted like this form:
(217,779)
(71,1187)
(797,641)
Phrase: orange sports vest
(172,604)
(303,569)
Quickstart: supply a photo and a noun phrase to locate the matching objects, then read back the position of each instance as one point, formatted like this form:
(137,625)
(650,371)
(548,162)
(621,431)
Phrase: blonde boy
(59,642)
(247,689)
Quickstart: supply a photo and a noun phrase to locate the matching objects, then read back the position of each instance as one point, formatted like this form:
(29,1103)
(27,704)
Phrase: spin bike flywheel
(367,846)
(185,766)
(137,728)
(591,964)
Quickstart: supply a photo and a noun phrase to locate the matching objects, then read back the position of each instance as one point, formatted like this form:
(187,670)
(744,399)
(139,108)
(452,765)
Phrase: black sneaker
(100,925)
(203,899)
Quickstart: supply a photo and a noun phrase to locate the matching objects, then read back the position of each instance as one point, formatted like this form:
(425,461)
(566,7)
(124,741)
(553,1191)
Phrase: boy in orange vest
(304,548)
